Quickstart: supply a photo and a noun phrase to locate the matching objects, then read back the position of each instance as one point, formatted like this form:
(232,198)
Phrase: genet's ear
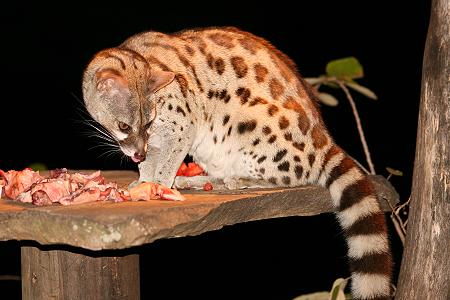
(112,87)
(110,81)
(160,79)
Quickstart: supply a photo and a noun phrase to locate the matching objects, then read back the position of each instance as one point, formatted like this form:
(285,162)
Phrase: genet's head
(118,89)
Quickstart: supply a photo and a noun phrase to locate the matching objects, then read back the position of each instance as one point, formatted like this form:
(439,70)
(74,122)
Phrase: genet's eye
(124,127)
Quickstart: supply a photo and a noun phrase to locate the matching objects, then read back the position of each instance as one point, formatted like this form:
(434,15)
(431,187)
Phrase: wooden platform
(63,265)
(105,225)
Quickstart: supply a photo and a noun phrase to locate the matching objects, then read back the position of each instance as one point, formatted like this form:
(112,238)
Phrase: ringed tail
(363,223)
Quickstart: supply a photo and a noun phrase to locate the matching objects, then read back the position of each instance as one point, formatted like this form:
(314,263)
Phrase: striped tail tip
(363,223)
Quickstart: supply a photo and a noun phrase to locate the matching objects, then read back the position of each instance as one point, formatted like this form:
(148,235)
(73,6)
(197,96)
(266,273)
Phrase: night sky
(45,47)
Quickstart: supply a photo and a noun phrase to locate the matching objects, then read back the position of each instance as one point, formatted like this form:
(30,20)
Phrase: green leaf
(394,172)
(37,166)
(361,89)
(327,99)
(345,69)
(314,296)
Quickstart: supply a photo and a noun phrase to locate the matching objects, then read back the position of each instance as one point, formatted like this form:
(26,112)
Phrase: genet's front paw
(232,183)
(134,184)
(194,182)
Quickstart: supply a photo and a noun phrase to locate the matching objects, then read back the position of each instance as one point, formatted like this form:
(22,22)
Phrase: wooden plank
(105,225)
(59,274)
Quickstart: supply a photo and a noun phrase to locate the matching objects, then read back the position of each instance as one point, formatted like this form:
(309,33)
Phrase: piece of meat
(189,170)
(115,195)
(89,195)
(85,196)
(83,179)
(68,189)
(2,183)
(17,182)
(208,186)
(193,170)
(41,198)
(181,169)
(54,189)
(55,173)
(25,197)
(149,190)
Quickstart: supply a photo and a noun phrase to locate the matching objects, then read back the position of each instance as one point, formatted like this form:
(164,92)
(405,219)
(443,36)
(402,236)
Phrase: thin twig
(397,222)
(360,165)
(10,277)
(398,228)
(358,124)
(397,213)
(404,204)
(399,225)
(317,86)
(389,203)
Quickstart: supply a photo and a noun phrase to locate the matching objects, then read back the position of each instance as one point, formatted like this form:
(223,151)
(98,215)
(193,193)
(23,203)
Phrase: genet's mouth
(135,159)
(138,157)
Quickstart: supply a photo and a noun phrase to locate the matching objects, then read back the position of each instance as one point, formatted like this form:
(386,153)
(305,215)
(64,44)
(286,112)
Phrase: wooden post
(60,274)
(425,269)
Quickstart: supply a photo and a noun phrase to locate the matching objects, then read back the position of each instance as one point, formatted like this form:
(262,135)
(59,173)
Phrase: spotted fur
(239,107)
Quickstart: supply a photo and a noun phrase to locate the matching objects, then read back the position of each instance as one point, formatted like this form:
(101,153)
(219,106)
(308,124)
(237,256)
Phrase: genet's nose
(138,157)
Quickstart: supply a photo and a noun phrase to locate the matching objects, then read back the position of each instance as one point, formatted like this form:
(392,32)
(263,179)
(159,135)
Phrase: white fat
(361,245)
(367,286)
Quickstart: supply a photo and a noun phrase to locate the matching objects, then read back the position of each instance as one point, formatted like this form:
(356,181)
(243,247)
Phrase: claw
(134,184)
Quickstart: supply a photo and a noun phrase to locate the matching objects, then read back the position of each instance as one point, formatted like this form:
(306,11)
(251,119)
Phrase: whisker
(76,97)
(115,153)
(95,130)
(100,130)
(109,153)
(121,160)
(81,108)
(86,119)
(94,135)
(105,146)
(93,124)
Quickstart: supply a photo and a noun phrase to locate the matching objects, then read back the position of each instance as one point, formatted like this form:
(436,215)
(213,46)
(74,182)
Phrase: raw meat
(16,182)
(181,169)
(150,190)
(189,170)
(208,186)
(73,188)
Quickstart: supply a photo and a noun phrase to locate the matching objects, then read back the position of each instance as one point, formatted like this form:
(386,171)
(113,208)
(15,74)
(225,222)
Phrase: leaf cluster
(344,70)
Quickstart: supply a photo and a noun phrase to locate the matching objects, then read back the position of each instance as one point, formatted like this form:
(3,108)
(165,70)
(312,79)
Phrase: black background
(45,47)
